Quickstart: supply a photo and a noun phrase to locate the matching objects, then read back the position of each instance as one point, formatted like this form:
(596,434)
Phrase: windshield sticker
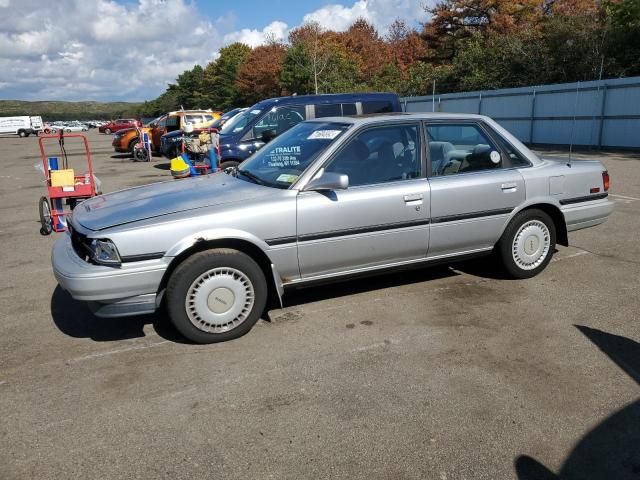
(324,134)
(287,178)
(284,157)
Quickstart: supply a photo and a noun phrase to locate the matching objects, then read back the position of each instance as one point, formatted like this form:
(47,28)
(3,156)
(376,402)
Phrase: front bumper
(127,290)
(587,214)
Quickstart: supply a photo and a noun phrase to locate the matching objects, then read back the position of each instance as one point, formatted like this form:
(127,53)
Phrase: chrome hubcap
(531,245)
(219,300)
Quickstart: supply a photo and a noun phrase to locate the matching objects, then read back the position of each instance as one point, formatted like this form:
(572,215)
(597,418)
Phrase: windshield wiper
(251,176)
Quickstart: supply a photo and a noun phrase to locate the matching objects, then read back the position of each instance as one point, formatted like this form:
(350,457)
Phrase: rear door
(382,218)
(473,187)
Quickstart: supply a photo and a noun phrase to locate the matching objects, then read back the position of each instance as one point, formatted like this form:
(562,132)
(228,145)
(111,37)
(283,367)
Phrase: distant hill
(57,110)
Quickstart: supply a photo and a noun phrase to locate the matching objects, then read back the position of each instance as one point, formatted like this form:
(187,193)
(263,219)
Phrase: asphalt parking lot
(446,373)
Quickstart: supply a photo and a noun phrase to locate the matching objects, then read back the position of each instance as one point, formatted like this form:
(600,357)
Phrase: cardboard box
(62,178)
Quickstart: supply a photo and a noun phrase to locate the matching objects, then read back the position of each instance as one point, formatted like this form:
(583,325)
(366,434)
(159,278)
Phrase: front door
(382,218)
(473,188)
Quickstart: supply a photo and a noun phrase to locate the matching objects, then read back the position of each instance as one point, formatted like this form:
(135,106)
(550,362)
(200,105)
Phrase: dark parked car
(245,133)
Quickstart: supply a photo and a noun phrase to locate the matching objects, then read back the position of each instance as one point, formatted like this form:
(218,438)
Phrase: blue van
(247,132)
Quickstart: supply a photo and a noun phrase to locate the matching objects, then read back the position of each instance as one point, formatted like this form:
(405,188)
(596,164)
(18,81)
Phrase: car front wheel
(527,244)
(107,131)
(216,295)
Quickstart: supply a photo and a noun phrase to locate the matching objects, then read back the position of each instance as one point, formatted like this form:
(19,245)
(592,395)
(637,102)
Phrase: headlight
(105,252)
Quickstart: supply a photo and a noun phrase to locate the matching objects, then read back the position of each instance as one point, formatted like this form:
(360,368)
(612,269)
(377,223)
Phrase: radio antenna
(573,123)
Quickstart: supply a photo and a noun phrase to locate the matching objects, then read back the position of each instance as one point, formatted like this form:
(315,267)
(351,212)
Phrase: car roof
(175,112)
(327,98)
(376,117)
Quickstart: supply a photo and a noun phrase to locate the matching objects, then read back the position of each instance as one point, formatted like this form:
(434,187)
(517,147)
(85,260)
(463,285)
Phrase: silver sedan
(330,198)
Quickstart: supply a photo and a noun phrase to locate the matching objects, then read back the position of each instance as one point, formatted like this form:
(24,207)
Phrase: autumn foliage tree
(258,77)
(465,45)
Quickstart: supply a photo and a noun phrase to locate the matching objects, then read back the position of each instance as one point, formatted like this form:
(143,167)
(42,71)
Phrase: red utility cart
(66,186)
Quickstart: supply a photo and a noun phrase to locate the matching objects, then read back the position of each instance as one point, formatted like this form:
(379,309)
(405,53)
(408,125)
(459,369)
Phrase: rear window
(377,107)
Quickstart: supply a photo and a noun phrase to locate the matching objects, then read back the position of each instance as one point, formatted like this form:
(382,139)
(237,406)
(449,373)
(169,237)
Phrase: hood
(164,198)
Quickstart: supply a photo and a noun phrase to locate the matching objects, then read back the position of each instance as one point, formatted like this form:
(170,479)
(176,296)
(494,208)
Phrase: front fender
(215,234)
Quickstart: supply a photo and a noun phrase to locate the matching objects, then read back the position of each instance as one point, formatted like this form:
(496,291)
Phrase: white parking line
(577,254)
(624,197)
(113,352)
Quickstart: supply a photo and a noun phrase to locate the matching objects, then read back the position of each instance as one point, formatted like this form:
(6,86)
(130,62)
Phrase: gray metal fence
(601,113)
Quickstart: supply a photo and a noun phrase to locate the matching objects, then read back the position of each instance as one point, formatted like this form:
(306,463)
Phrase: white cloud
(381,13)
(101,49)
(275,30)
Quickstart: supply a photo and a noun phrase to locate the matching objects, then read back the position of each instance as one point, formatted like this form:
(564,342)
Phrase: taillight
(605,180)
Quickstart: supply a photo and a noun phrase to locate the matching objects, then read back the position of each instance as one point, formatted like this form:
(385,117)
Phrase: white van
(22,125)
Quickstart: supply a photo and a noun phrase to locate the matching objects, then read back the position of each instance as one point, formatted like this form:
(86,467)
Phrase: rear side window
(377,107)
(349,109)
(328,110)
(335,110)
(461,148)
(193,118)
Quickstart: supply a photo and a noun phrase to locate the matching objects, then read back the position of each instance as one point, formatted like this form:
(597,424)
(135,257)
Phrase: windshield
(239,122)
(280,162)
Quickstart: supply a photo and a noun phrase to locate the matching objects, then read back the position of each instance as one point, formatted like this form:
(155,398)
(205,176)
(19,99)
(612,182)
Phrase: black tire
(182,282)
(542,246)
(22,133)
(107,131)
(68,130)
(47,131)
(46,222)
(132,146)
(228,164)
(141,155)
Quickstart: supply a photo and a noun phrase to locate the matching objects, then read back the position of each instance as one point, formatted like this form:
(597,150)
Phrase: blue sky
(131,49)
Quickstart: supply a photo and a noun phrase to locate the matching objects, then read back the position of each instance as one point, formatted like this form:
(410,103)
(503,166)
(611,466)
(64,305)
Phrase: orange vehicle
(125,140)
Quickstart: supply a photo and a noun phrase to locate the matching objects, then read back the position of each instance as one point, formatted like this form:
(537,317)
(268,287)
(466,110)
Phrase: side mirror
(328,181)
(268,135)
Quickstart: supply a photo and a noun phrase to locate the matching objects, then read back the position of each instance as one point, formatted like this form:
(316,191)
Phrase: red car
(119,124)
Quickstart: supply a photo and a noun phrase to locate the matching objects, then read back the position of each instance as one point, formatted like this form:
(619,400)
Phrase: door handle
(413,198)
(509,187)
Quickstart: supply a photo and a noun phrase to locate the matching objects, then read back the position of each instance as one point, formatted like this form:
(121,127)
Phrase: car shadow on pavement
(163,166)
(342,288)
(122,156)
(611,450)
(73,318)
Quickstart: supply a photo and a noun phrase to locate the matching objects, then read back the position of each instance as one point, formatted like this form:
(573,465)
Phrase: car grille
(80,244)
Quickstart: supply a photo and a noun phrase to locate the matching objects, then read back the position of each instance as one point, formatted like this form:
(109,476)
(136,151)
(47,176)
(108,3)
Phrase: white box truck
(22,126)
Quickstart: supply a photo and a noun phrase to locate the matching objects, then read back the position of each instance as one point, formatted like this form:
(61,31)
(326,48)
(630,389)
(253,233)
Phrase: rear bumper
(587,214)
(128,290)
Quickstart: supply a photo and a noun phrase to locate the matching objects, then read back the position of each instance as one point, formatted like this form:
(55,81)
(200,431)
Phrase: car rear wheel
(229,164)
(527,244)
(107,131)
(216,295)
(22,133)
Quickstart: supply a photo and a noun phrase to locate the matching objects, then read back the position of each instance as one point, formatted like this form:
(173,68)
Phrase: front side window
(280,162)
(380,155)
(461,148)
(279,120)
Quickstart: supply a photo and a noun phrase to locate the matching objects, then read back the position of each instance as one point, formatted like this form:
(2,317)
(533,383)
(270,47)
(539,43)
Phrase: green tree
(296,75)
(219,78)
